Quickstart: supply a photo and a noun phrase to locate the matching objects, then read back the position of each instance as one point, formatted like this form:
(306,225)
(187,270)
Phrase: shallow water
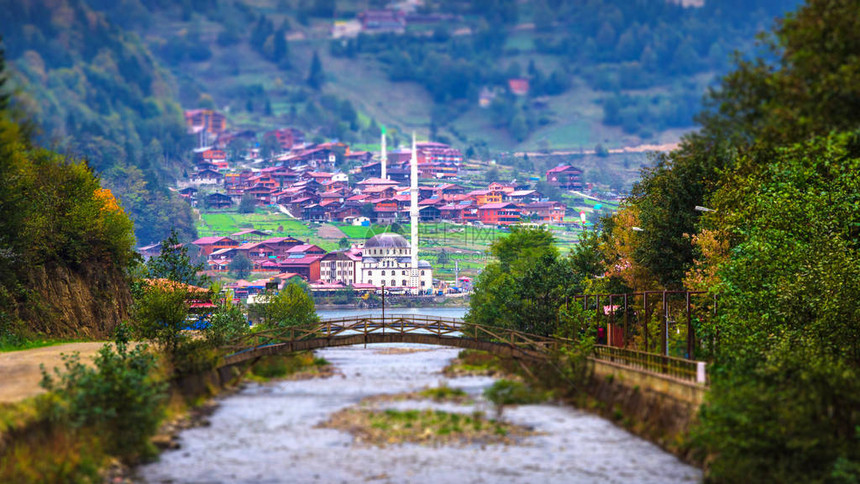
(266,433)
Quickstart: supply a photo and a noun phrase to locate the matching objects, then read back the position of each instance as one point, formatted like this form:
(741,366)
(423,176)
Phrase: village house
(504,213)
(218,201)
(341,266)
(565,177)
(548,212)
(207,177)
(208,245)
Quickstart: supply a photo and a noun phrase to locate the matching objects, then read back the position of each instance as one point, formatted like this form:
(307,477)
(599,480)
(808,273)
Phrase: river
(267,433)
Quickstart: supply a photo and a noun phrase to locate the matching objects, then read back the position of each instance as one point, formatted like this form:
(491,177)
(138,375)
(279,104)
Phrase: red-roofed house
(211,244)
(504,213)
(519,87)
(545,211)
(565,176)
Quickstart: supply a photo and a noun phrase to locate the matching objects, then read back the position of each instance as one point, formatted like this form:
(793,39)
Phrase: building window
(393,283)
(369,273)
(404,282)
(383,273)
(422,273)
(422,283)
(404,273)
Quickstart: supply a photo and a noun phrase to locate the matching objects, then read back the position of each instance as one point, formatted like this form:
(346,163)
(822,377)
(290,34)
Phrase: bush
(227,323)
(121,399)
(508,392)
(160,316)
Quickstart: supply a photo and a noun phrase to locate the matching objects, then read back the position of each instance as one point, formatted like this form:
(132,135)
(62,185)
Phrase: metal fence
(679,368)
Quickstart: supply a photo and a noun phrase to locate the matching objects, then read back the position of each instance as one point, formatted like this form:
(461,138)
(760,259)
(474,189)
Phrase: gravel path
(19,370)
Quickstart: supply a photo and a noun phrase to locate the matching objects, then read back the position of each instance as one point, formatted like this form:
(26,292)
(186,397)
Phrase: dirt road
(19,370)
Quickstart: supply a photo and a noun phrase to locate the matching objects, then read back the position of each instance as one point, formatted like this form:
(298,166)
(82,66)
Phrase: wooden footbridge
(440,331)
(395,328)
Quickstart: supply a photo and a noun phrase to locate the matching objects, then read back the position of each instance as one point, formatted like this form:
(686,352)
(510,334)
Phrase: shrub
(227,323)
(121,399)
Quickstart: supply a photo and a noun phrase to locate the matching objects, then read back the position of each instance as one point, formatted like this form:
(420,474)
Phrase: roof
(300,261)
(387,239)
(211,240)
(561,168)
(521,193)
(170,284)
(491,206)
(250,232)
(377,181)
(303,248)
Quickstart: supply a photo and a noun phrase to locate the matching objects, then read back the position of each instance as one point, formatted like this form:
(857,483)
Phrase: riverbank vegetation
(760,210)
(294,366)
(424,427)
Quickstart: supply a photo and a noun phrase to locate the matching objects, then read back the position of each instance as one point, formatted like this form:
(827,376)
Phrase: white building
(387,259)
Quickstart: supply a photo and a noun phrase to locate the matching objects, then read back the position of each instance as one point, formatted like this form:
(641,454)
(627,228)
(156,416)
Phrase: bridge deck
(433,330)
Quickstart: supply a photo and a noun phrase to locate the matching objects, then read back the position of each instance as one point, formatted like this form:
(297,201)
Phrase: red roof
(519,87)
(491,206)
(211,240)
(560,169)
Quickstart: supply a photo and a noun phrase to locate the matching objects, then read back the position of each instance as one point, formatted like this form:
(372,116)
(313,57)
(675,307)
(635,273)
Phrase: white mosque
(388,259)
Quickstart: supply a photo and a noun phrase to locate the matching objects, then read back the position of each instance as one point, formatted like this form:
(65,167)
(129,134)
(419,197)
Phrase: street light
(700,208)
(637,229)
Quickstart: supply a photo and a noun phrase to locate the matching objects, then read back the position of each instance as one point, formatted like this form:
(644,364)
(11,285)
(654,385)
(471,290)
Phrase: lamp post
(383,304)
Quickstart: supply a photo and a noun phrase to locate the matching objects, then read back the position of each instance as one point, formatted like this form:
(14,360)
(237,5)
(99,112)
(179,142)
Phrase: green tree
(291,307)
(443,258)
(241,266)
(173,263)
(270,146)
(525,287)
(227,323)
(316,76)
(248,203)
(4,95)
(160,315)
(343,243)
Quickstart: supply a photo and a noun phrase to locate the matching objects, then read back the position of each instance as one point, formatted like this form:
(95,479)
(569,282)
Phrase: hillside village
(330,182)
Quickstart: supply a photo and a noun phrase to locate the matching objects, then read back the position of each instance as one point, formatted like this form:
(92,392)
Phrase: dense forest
(107,80)
(97,93)
(760,209)
(65,242)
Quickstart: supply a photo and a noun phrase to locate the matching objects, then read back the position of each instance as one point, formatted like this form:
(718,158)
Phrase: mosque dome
(386,240)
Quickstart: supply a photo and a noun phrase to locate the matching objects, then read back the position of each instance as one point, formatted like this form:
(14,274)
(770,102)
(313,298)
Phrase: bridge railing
(679,368)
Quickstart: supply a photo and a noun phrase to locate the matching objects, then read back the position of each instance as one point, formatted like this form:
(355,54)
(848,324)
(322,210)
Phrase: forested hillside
(96,92)
(107,80)
(65,243)
(606,71)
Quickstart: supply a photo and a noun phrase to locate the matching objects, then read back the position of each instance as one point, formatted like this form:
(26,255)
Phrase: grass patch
(510,392)
(475,363)
(19,344)
(293,366)
(444,393)
(425,427)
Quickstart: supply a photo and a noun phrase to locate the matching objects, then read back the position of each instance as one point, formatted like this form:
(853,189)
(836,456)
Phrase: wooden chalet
(218,200)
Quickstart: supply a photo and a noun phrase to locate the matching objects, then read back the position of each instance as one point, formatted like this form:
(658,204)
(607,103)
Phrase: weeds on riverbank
(476,363)
(424,427)
(294,366)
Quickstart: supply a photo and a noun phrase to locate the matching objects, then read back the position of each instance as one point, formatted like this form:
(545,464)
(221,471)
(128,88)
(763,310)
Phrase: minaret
(384,158)
(413,212)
